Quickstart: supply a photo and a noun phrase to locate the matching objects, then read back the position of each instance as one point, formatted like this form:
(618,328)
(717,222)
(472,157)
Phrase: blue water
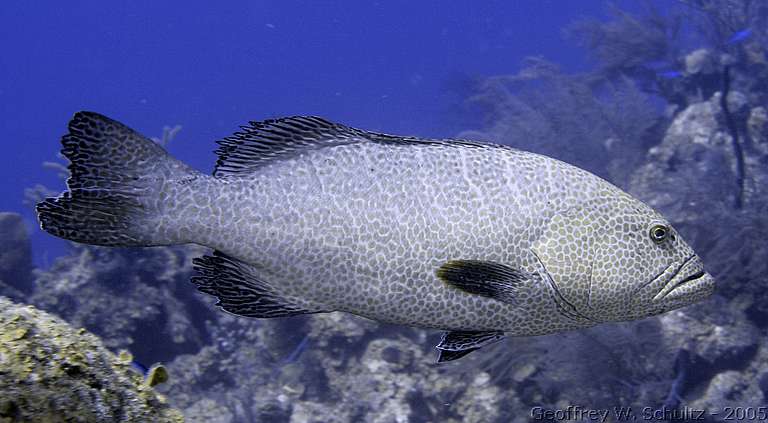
(396,66)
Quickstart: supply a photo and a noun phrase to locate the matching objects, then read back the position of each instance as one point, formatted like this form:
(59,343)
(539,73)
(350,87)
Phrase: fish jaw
(691,290)
(682,283)
(688,278)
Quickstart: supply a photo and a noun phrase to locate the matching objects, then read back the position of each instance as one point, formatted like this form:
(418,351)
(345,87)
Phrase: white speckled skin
(363,227)
(332,218)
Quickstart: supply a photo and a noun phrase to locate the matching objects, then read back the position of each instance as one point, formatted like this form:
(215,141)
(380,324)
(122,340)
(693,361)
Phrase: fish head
(616,259)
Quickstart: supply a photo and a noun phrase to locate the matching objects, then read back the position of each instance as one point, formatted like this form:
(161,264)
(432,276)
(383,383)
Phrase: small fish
(308,216)
(135,365)
(740,36)
(292,357)
(673,74)
(296,353)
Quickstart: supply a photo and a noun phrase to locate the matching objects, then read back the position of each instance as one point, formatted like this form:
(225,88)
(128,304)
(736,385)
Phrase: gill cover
(565,251)
(598,254)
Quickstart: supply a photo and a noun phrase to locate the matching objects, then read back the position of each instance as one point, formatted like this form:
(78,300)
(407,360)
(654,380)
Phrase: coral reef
(135,299)
(15,257)
(626,44)
(351,369)
(600,125)
(51,372)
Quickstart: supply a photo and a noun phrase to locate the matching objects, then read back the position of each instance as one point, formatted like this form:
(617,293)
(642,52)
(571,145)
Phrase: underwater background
(666,99)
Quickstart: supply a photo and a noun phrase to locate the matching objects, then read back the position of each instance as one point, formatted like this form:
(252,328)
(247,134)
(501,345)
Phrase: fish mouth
(690,277)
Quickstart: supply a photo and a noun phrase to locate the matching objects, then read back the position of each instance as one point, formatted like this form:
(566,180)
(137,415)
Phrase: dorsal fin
(262,142)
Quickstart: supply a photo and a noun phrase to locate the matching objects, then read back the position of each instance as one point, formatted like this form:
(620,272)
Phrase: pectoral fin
(485,278)
(457,344)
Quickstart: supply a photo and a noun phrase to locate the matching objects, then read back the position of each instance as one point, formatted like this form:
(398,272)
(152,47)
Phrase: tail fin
(115,176)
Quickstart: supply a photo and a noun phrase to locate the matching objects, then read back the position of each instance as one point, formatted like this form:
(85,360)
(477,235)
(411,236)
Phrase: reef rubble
(52,372)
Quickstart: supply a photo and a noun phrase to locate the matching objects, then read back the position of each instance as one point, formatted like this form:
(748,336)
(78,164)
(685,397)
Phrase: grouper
(306,216)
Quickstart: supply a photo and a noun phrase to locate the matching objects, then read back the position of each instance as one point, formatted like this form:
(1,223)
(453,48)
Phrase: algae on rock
(135,299)
(50,371)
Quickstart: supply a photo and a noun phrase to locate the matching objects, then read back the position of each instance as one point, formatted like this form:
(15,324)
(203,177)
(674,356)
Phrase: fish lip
(701,280)
(692,276)
(655,279)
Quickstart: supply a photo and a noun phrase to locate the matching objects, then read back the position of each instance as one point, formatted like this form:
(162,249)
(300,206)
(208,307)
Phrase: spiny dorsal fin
(262,142)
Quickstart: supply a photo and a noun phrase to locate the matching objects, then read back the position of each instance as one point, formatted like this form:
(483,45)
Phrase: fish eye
(659,233)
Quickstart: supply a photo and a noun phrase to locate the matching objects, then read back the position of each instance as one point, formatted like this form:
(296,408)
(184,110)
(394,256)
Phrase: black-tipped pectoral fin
(457,344)
(489,279)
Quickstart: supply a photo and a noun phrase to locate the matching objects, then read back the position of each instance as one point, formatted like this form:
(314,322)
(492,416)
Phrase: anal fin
(457,344)
(239,289)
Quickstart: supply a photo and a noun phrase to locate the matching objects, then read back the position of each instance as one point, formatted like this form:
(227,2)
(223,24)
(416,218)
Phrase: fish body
(364,227)
(671,74)
(740,36)
(309,216)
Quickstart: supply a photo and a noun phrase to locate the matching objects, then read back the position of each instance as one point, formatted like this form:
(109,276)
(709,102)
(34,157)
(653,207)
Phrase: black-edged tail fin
(114,174)
(240,290)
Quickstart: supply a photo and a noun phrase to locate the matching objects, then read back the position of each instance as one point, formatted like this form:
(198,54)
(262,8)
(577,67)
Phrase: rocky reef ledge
(52,372)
